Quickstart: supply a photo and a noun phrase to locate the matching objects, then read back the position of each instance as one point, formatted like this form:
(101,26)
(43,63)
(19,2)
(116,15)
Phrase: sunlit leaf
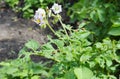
(101,14)
(59,43)
(32,44)
(35,77)
(115,31)
(83,73)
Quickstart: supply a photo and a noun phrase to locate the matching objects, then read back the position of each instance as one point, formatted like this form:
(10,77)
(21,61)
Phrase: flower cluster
(40,14)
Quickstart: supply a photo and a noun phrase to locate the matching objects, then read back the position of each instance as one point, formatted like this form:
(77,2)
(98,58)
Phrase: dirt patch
(14,32)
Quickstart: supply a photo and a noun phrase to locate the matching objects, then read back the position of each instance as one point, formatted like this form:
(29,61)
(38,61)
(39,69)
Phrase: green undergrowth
(74,57)
(103,16)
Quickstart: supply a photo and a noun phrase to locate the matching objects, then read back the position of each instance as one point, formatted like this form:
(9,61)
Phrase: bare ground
(15,32)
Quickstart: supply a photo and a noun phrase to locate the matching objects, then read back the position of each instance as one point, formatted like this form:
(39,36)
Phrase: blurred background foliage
(103,16)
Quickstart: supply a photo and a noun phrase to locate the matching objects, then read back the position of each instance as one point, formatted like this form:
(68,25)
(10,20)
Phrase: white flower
(56,8)
(41,12)
(39,16)
(39,21)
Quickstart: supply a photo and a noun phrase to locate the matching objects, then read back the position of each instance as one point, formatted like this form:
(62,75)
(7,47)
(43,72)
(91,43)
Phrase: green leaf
(11,70)
(85,57)
(41,1)
(30,11)
(59,43)
(116,20)
(82,24)
(100,61)
(3,76)
(32,44)
(4,64)
(108,62)
(84,34)
(24,73)
(70,75)
(93,16)
(47,46)
(26,7)
(118,46)
(47,50)
(101,14)
(115,31)
(99,45)
(83,73)
(35,77)
(116,24)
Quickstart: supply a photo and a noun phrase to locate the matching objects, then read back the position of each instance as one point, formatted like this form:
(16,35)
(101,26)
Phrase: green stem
(64,28)
(50,28)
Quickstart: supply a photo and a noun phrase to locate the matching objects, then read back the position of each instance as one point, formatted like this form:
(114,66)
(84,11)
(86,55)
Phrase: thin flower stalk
(50,27)
(63,27)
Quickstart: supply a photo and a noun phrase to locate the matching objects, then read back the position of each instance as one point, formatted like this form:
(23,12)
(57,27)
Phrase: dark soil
(15,32)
